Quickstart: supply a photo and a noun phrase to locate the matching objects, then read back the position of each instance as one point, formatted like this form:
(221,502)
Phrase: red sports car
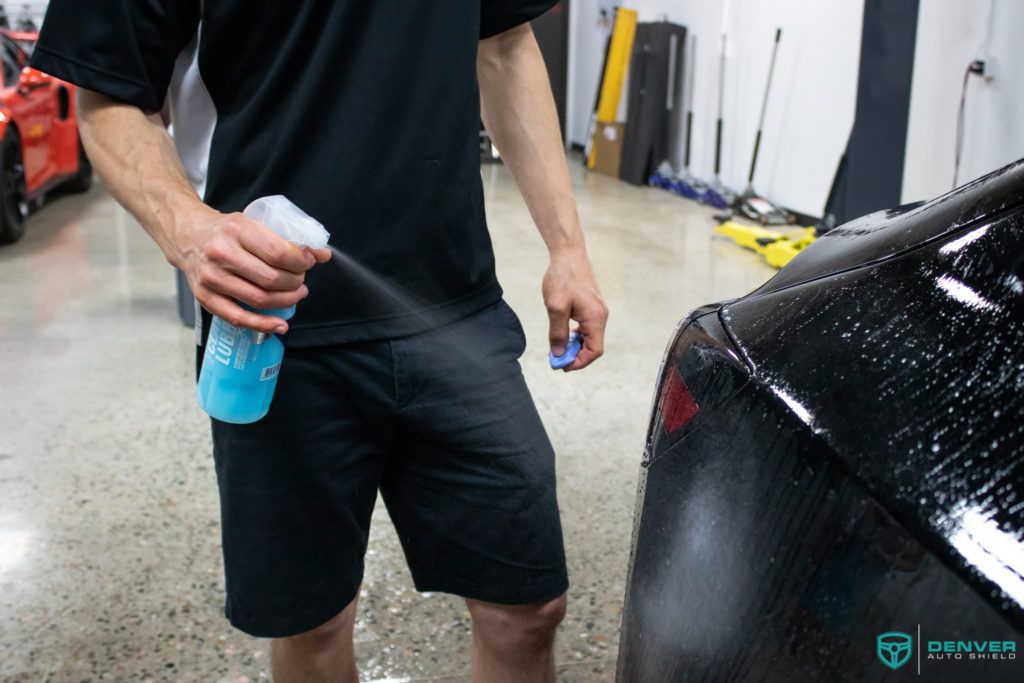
(39,145)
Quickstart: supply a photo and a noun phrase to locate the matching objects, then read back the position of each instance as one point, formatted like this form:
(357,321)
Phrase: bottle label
(229,345)
(270,373)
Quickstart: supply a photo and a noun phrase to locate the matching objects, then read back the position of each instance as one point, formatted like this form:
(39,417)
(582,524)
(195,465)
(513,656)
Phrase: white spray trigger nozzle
(289,221)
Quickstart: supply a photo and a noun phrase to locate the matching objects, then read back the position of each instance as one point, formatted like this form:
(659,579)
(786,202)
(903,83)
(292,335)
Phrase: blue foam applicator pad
(571,349)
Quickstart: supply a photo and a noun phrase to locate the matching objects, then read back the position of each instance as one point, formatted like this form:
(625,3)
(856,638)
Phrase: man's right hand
(229,258)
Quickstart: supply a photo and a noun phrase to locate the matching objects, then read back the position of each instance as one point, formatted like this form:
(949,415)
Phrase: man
(366,115)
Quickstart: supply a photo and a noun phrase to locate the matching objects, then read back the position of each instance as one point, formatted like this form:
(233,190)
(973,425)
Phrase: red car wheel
(14,198)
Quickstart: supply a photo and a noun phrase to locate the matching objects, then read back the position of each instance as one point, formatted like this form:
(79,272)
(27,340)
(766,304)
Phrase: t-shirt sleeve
(497,16)
(124,49)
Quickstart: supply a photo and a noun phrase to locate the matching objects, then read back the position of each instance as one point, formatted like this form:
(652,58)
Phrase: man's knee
(518,626)
(324,638)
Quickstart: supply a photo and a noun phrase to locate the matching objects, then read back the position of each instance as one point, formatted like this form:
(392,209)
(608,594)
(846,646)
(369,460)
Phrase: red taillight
(677,404)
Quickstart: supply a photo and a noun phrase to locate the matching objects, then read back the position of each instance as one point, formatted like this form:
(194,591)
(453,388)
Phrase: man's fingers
(321,255)
(245,291)
(591,326)
(558,331)
(592,349)
(274,250)
(233,314)
(242,263)
(584,358)
(250,267)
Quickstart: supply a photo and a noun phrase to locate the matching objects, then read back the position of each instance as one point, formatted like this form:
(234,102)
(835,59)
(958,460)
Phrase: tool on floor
(686,184)
(717,194)
(240,366)
(751,205)
(778,248)
(572,349)
(663,176)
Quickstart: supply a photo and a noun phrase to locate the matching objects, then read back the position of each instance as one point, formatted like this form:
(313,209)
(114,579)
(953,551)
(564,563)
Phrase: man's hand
(229,258)
(571,293)
(226,258)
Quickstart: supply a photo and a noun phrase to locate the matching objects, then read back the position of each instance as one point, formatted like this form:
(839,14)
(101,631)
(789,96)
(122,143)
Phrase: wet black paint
(884,234)
(857,462)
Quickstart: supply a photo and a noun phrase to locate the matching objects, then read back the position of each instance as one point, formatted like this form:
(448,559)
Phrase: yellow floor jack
(778,247)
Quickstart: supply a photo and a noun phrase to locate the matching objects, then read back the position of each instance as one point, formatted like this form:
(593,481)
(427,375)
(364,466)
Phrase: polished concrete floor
(110,566)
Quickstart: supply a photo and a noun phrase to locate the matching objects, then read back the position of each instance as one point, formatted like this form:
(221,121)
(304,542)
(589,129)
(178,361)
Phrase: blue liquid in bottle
(239,375)
(240,367)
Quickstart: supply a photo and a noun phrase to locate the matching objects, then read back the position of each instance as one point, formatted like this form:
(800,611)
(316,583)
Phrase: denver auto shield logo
(894,648)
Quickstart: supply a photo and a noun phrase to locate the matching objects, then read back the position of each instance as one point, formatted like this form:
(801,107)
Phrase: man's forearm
(519,113)
(136,158)
(227,258)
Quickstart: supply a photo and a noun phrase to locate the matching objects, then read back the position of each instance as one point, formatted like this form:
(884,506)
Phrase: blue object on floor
(571,349)
(717,196)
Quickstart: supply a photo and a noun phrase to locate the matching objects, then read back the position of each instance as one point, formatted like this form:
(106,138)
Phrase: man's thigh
(471,481)
(297,489)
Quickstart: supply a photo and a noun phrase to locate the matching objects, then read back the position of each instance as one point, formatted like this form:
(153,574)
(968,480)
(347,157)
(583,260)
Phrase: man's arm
(519,112)
(226,257)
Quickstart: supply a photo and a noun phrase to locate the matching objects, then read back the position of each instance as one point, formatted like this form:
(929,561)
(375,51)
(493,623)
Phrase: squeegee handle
(753,159)
(689,130)
(721,97)
(691,64)
(768,85)
(764,106)
(718,146)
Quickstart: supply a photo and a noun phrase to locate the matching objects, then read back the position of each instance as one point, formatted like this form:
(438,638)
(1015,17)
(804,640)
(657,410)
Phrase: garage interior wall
(801,146)
(810,113)
(950,34)
(34,8)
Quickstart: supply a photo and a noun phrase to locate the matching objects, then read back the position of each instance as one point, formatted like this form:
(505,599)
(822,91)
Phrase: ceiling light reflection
(961,242)
(995,553)
(14,545)
(964,294)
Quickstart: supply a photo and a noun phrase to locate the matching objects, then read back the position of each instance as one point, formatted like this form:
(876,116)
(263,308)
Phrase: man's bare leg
(515,643)
(323,655)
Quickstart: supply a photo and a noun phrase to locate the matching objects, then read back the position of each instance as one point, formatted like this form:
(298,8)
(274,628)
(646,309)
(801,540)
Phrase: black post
(718,146)
(764,109)
(689,129)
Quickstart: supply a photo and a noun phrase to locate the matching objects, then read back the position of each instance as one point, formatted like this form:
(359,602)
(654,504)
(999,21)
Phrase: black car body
(833,483)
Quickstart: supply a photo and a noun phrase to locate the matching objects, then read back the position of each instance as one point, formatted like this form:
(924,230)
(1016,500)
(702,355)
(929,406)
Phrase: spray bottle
(240,366)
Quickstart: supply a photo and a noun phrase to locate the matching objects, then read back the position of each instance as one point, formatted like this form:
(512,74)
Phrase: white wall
(586,49)
(810,112)
(34,8)
(951,33)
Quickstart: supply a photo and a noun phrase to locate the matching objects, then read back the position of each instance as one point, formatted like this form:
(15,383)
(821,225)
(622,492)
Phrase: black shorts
(441,423)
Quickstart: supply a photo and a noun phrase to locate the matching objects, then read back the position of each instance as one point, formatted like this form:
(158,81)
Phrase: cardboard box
(608,147)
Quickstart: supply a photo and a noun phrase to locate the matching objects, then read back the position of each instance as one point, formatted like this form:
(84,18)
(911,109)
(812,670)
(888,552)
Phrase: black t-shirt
(365,113)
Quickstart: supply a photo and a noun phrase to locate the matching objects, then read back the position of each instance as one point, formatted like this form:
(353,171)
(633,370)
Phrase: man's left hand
(571,293)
